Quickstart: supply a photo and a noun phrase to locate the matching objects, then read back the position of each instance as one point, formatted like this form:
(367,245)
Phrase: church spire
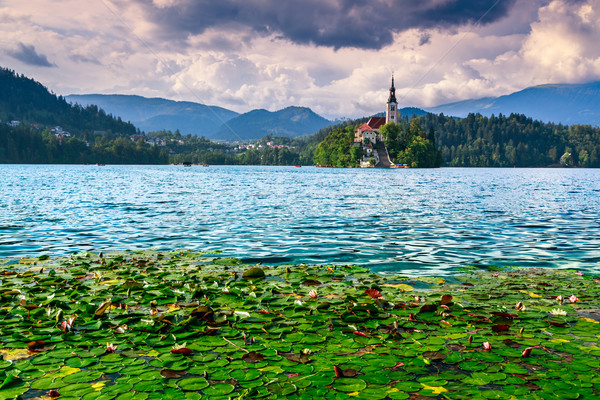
(391,112)
(392,98)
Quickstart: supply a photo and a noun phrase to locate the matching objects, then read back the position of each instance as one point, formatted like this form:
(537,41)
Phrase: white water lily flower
(252,294)
(298,302)
(242,314)
(558,311)
(306,351)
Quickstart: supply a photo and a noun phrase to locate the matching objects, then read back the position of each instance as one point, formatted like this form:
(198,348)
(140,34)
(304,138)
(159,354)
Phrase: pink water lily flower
(67,326)
(487,346)
(526,352)
(560,299)
(573,299)
(312,294)
(110,348)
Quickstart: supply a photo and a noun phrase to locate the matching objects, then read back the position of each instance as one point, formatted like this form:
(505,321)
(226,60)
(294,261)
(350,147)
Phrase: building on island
(391,111)
(367,135)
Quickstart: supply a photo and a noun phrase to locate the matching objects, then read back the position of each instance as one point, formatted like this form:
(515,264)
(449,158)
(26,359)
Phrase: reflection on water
(390,220)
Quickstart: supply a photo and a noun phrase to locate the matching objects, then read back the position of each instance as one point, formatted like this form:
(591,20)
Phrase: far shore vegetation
(37,126)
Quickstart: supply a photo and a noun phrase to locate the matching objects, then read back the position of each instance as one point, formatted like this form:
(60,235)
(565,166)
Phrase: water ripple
(415,221)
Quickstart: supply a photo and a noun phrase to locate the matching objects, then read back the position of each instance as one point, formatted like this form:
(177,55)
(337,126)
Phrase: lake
(409,220)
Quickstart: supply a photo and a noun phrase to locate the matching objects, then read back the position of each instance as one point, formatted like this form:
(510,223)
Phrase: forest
(26,145)
(514,140)
(97,137)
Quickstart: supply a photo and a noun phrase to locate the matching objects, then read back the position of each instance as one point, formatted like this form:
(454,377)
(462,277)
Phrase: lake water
(415,221)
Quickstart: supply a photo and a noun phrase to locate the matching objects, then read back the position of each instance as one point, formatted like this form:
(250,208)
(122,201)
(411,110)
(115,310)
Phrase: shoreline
(191,324)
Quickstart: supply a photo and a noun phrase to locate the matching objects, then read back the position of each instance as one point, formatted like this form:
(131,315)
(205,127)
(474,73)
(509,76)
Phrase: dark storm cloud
(28,55)
(368,24)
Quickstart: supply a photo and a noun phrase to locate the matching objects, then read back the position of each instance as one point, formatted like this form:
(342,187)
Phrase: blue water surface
(409,220)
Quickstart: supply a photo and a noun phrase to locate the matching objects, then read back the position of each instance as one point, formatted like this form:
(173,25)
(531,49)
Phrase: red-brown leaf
(184,350)
(500,328)
(446,299)
(428,308)
(167,373)
(36,344)
(253,357)
(338,371)
(505,315)
(374,293)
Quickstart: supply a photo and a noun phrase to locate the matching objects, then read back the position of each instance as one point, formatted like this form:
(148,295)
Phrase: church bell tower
(391,111)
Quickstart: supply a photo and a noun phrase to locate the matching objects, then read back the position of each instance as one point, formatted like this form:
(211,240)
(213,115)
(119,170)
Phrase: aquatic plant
(183,325)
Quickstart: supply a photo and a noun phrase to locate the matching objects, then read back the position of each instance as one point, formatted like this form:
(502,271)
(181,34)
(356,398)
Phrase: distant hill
(410,111)
(290,122)
(156,114)
(567,104)
(26,100)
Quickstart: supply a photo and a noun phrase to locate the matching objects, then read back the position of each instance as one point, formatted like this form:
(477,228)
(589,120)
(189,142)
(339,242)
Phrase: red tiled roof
(376,122)
(365,127)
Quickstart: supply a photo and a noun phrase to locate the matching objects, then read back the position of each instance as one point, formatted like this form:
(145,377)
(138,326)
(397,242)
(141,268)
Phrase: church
(368,133)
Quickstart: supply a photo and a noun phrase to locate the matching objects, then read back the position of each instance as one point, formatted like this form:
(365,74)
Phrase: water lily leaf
(409,386)
(102,308)
(254,273)
(282,388)
(402,286)
(192,383)
(204,313)
(531,294)
(434,355)
(349,384)
(434,389)
(500,328)
(15,354)
(253,357)
(446,299)
(82,376)
(372,394)
(312,282)
(219,389)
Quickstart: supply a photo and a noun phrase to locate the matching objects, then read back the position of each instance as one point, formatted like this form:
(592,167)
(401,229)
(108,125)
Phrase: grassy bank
(189,325)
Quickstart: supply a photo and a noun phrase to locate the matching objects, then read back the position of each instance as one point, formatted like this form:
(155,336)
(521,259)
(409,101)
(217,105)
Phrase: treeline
(23,99)
(411,145)
(514,140)
(407,143)
(335,150)
(25,145)
(199,150)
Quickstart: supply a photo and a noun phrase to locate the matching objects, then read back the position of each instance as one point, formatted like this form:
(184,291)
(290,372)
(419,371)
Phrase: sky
(334,56)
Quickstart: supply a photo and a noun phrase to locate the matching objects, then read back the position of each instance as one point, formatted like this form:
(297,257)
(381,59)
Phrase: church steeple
(392,98)
(391,110)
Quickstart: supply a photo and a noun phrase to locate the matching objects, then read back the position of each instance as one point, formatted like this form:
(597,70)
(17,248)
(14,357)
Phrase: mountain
(26,100)
(410,111)
(156,114)
(290,122)
(565,103)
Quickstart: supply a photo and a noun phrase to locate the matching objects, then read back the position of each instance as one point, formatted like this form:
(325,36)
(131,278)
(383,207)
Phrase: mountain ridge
(291,121)
(566,104)
(156,113)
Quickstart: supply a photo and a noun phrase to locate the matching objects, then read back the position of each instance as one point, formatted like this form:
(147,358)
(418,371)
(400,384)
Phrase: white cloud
(95,52)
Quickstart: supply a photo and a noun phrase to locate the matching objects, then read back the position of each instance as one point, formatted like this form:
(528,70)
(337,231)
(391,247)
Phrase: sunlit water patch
(416,221)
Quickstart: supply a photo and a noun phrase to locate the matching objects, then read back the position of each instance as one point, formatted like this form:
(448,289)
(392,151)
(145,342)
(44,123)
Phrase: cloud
(365,24)
(28,55)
